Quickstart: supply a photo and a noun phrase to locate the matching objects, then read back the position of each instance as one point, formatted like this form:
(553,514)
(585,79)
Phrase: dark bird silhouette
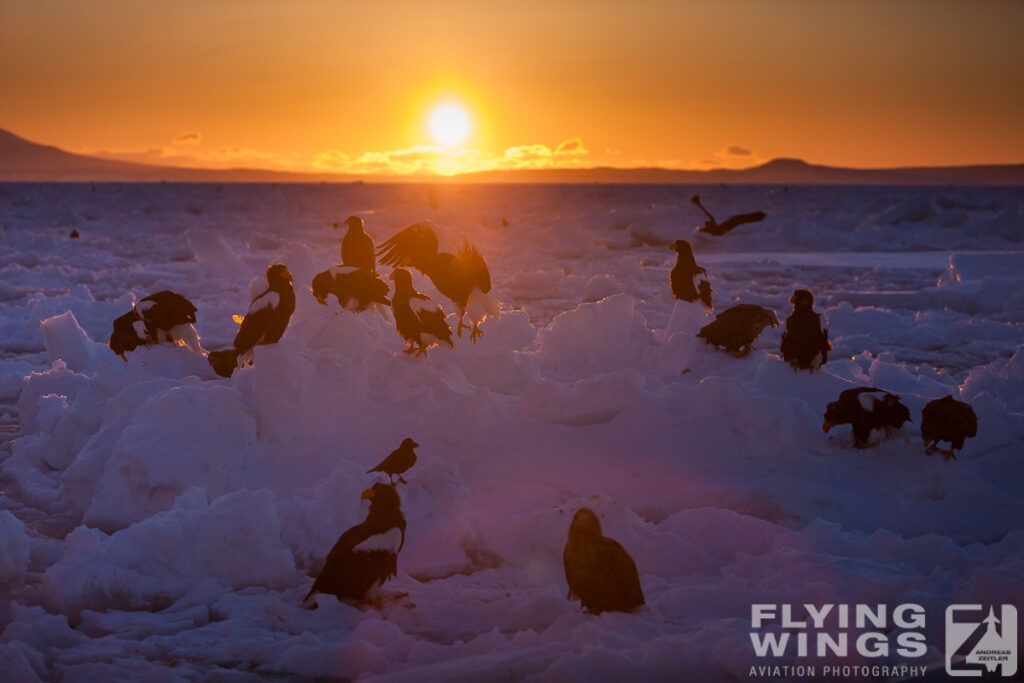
(418,319)
(356,246)
(805,343)
(398,461)
(946,419)
(689,281)
(713,227)
(735,329)
(462,277)
(162,318)
(355,288)
(264,323)
(867,410)
(366,555)
(599,571)
(129,334)
(75,235)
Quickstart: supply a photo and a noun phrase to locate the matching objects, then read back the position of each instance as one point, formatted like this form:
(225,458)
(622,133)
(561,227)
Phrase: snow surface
(161,523)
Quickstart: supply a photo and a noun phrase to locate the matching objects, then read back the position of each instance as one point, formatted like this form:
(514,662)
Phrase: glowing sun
(449,124)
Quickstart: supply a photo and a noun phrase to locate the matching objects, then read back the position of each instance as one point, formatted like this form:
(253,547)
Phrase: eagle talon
(476,333)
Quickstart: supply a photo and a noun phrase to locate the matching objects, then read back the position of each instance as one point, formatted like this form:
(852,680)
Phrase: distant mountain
(22,160)
(776,172)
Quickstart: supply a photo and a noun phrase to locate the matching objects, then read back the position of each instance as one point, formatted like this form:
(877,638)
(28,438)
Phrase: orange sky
(350,86)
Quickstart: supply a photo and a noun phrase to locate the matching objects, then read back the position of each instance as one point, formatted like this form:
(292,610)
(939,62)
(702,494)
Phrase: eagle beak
(415,445)
(827,425)
(366,495)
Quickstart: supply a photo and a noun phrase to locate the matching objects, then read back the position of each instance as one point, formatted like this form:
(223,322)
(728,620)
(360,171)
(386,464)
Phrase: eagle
(264,323)
(805,343)
(164,317)
(873,414)
(418,319)
(366,555)
(946,419)
(462,276)
(689,281)
(599,571)
(398,461)
(737,328)
(356,289)
(713,227)
(356,246)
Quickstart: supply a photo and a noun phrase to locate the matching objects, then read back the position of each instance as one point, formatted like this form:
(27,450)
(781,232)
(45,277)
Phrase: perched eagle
(162,318)
(735,329)
(418,319)
(398,461)
(599,571)
(713,227)
(356,246)
(264,323)
(689,281)
(462,277)
(355,288)
(367,554)
(871,412)
(805,343)
(946,419)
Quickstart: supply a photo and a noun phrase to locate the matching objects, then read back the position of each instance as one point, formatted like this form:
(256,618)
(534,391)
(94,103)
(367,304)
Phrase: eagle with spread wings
(461,276)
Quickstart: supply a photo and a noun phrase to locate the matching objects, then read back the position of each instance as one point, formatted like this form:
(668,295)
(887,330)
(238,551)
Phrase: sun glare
(449,124)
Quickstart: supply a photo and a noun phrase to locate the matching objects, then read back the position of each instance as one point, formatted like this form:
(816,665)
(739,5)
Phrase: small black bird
(463,277)
(418,319)
(355,288)
(265,322)
(398,461)
(868,410)
(164,317)
(738,327)
(598,570)
(366,555)
(804,341)
(689,281)
(713,227)
(946,419)
(356,246)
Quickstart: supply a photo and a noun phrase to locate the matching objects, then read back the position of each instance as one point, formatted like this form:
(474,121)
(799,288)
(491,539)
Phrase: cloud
(427,159)
(735,151)
(188,139)
(220,157)
(186,150)
(572,146)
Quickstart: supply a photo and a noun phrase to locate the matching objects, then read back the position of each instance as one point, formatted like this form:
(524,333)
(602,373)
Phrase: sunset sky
(328,85)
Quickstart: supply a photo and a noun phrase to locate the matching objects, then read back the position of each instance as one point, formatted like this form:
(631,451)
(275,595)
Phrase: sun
(449,124)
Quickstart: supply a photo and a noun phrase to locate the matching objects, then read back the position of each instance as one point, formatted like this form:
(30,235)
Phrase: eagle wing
(470,265)
(431,318)
(166,309)
(602,575)
(257,320)
(416,246)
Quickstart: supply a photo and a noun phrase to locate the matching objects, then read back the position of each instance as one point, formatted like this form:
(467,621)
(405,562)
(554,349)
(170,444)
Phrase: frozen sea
(159,523)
